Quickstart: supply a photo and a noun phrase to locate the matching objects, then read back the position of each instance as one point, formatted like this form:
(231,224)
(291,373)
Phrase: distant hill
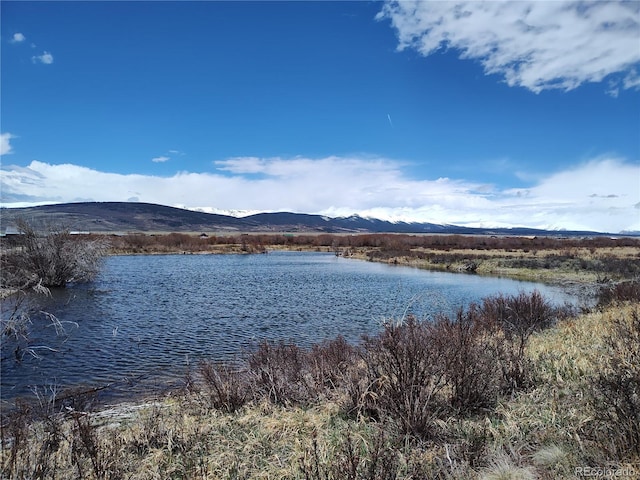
(147,217)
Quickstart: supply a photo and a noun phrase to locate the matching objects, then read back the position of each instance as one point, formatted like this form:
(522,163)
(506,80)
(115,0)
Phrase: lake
(146,319)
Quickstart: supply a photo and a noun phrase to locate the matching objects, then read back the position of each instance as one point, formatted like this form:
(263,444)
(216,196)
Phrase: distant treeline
(381,241)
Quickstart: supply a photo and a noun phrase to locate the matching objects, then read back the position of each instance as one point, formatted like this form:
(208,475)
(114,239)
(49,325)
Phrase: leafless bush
(279,372)
(92,452)
(619,292)
(16,323)
(50,258)
(15,319)
(329,361)
(517,317)
(14,433)
(34,433)
(27,460)
(288,374)
(474,372)
(410,374)
(355,458)
(406,367)
(415,371)
(621,267)
(226,384)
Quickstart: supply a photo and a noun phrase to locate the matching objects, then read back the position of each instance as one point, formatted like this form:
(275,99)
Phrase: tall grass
(419,400)
(615,391)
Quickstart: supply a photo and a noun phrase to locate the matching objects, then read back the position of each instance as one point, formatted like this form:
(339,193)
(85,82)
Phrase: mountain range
(146,217)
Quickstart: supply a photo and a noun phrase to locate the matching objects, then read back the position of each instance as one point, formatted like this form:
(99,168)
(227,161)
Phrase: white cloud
(167,156)
(5,145)
(17,38)
(45,58)
(599,195)
(632,80)
(534,44)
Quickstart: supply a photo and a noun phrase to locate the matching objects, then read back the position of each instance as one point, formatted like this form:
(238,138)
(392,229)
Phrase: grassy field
(511,388)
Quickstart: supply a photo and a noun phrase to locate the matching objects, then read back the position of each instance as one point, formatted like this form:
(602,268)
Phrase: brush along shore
(584,261)
(511,388)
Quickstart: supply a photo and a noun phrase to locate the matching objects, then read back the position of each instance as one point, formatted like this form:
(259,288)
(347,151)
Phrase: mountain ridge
(103,217)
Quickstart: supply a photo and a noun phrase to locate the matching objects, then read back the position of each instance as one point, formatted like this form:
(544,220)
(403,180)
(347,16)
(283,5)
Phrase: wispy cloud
(171,154)
(17,38)
(534,44)
(598,195)
(45,58)
(5,145)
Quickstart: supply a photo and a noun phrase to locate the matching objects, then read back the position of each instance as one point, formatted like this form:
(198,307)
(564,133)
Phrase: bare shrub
(517,317)
(38,433)
(359,400)
(615,393)
(16,326)
(628,291)
(283,373)
(278,371)
(406,367)
(14,432)
(355,458)
(93,452)
(34,434)
(51,258)
(485,348)
(411,373)
(328,363)
(620,267)
(14,322)
(226,384)
(474,372)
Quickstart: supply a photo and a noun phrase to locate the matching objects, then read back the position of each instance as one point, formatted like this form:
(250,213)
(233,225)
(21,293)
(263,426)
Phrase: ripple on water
(152,316)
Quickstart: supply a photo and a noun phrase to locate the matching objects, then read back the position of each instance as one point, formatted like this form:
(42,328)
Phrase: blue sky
(468,113)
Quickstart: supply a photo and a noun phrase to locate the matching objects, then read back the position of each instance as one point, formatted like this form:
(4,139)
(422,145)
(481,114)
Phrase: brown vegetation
(51,258)
(587,260)
(510,386)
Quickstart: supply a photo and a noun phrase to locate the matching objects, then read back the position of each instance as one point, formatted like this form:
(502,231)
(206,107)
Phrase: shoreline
(165,434)
(583,285)
(585,293)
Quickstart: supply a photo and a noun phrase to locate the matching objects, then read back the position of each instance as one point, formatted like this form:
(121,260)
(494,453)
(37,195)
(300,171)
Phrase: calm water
(146,318)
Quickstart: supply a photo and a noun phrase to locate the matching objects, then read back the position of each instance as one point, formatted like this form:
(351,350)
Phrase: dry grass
(582,265)
(544,432)
(554,423)
(176,439)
